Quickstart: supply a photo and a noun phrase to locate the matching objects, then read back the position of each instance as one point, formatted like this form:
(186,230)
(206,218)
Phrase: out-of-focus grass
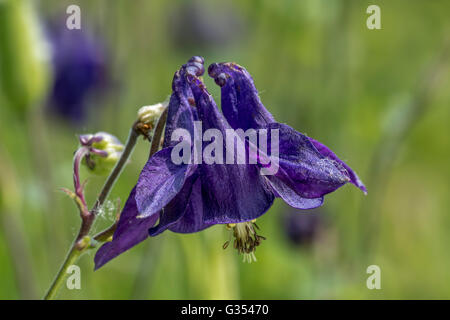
(319,69)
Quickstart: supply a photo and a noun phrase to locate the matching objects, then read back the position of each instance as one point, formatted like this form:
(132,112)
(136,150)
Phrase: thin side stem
(158,132)
(78,186)
(129,146)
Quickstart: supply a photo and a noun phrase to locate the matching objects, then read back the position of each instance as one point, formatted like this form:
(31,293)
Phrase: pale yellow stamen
(245,239)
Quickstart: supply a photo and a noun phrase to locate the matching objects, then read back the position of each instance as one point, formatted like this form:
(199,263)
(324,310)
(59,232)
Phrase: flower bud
(150,114)
(104,151)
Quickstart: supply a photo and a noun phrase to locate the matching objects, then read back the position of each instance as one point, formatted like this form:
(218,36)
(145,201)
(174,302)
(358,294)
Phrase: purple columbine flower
(189,197)
(308,169)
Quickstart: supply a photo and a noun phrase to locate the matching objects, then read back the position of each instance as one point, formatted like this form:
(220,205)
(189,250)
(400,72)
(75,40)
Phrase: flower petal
(326,152)
(243,109)
(240,101)
(160,181)
(130,231)
(302,167)
(184,214)
(282,191)
(192,220)
(231,193)
(180,113)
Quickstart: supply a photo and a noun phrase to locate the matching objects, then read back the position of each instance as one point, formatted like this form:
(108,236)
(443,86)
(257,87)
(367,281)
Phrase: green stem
(82,241)
(72,257)
(129,146)
(158,132)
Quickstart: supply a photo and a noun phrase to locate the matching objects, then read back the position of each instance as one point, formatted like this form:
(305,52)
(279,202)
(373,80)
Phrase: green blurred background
(378,98)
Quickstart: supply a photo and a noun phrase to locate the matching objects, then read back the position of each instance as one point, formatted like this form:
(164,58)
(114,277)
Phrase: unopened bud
(104,151)
(150,114)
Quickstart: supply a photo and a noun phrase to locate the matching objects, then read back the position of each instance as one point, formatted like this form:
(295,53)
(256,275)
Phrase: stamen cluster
(246,239)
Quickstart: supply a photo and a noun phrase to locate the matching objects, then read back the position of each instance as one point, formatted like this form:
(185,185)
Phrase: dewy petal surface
(130,231)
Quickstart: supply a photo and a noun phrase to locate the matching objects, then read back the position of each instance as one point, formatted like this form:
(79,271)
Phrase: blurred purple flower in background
(79,67)
(302,229)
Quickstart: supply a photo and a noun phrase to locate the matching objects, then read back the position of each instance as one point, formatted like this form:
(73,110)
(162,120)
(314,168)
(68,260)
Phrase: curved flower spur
(308,169)
(189,197)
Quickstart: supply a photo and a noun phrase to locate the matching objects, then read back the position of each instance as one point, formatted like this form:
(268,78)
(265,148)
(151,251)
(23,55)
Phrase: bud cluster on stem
(100,151)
